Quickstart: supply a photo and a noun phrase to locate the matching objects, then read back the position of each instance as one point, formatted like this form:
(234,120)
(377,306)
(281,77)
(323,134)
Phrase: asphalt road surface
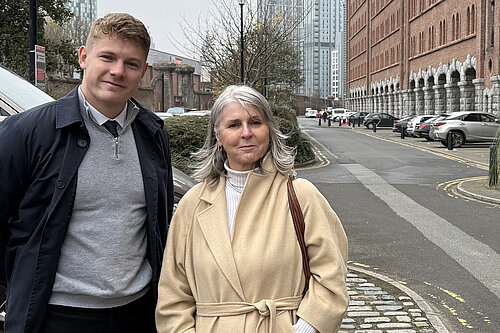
(402,223)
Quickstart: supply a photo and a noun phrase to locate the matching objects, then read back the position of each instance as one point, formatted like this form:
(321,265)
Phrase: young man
(86,195)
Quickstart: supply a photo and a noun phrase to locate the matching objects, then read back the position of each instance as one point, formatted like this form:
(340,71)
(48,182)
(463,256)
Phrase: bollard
(340,122)
(403,130)
(359,121)
(449,142)
(319,121)
(374,127)
(329,122)
(352,122)
(494,167)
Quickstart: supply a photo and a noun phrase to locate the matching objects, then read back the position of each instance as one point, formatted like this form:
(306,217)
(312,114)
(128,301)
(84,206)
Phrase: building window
(467,23)
(453,27)
(473,20)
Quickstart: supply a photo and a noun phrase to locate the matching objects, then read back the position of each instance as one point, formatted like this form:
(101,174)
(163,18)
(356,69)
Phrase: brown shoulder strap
(298,223)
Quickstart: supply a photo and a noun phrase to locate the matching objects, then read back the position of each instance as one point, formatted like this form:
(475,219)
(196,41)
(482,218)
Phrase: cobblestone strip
(382,307)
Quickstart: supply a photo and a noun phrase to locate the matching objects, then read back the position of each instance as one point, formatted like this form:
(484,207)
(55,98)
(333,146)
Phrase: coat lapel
(214,226)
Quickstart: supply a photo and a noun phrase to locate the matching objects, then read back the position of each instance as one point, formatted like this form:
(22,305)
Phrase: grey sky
(162,17)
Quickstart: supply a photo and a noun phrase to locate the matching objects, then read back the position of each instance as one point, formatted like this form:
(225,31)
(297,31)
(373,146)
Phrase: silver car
(465,127)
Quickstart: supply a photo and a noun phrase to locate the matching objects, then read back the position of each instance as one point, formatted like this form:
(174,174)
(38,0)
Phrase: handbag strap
(298,223)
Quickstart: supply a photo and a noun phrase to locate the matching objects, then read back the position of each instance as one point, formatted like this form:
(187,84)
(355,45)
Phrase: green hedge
(187,135)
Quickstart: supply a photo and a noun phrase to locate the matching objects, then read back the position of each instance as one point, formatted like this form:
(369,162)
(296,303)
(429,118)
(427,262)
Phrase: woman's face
(244,136)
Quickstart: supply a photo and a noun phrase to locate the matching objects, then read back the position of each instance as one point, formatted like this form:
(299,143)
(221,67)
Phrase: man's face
(112,70)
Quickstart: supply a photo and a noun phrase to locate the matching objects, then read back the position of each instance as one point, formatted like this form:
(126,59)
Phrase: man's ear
(82,57)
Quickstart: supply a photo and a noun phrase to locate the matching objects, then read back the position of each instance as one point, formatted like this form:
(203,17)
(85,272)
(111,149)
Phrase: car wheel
(444,143)
(369,125)
(428,139)
(457,139)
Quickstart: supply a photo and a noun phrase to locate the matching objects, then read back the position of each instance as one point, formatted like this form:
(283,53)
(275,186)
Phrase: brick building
(423,56)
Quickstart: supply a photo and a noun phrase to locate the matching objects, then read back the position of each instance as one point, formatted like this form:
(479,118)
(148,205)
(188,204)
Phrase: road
(401,223)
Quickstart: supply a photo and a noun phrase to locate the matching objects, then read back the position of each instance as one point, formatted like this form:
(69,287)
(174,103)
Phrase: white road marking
(477,258)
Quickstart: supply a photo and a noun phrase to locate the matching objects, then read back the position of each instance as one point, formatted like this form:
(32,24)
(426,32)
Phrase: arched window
(473,20)
(433,37)
(440,33)
(453,27)
(429,40)
(445,37)
(467,24)
(457,28)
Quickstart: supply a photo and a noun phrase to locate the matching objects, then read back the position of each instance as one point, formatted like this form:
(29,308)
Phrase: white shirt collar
(98,117)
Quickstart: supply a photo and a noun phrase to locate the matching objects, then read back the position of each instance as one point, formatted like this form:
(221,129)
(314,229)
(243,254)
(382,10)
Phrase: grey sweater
(103,260)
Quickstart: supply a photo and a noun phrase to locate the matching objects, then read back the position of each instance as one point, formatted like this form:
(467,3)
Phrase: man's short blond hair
(120,25)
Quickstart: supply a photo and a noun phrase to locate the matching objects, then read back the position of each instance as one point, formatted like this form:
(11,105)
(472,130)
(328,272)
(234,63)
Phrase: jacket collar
(68,112)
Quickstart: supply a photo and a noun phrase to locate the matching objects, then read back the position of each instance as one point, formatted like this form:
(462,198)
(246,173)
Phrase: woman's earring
(219,147)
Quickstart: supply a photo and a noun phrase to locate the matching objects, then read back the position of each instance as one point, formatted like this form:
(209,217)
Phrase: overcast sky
(162,17)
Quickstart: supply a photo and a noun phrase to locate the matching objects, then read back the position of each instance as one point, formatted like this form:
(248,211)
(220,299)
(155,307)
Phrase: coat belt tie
(267,309)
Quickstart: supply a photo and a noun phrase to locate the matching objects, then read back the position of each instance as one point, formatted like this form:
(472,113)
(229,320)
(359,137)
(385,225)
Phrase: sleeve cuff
(303,326)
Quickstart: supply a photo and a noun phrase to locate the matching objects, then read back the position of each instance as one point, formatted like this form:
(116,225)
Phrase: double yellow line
(447,186)
(323,160)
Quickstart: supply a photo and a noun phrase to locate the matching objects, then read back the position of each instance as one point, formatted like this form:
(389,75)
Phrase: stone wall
(149,96)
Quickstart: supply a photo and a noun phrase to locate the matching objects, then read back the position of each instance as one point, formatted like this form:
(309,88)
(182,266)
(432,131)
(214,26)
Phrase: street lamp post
(32,38)
(242,65)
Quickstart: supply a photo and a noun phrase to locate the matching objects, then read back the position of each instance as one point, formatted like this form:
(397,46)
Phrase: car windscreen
(21,92)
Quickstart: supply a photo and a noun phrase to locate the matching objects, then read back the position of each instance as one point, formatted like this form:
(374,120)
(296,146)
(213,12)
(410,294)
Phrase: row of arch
(445,89)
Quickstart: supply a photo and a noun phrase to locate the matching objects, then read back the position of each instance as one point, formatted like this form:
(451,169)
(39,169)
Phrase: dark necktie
(111,126)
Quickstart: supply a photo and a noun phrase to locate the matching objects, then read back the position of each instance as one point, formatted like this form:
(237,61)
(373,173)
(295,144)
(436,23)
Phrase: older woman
(232,262)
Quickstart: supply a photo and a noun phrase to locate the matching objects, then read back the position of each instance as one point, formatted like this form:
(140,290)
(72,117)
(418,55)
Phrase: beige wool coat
(253,282)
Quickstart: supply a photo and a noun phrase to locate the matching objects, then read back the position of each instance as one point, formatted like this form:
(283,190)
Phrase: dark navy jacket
(40,152)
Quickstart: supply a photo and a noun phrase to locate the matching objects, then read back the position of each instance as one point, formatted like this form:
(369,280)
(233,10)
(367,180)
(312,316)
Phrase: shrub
(284,111)
(187,135)
(296,139)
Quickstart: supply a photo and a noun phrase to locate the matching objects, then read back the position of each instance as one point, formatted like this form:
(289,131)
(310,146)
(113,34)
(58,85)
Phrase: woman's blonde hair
(210,160)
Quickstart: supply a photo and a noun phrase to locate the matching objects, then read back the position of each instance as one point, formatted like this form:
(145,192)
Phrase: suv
(465,127)
(337,112)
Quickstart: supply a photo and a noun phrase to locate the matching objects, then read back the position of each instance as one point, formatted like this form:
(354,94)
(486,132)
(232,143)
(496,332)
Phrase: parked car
(164,115)
(18,95)
(346,115)
(357,115)
(176,111)
(337,112)
(196,113)
(379,119)
(402,123)
(466,127)
(415,123)
(423,130)
(311,113)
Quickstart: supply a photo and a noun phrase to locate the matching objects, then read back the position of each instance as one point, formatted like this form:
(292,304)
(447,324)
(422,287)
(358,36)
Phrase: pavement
(379,304)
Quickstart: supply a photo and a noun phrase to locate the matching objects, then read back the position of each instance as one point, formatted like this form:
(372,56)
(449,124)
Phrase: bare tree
(271,53)
(65,39)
